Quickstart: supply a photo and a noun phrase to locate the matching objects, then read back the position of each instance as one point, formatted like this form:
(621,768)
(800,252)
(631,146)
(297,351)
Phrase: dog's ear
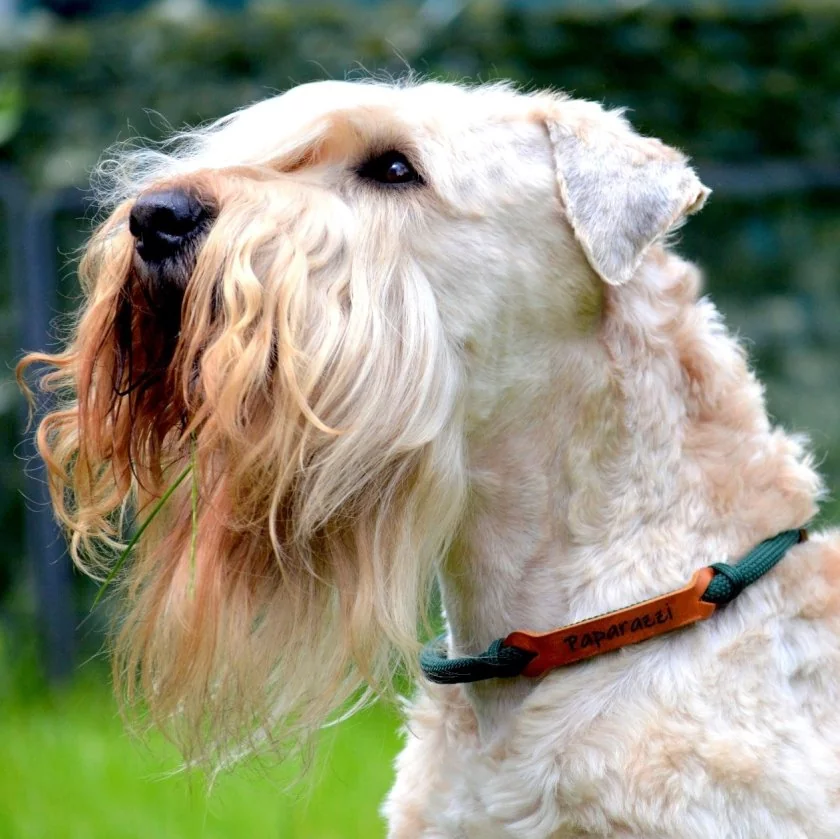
(621,191)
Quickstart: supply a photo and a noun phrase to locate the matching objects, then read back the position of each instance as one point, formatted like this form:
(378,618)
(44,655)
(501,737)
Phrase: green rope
(730,580)
(500,661)
(496,662)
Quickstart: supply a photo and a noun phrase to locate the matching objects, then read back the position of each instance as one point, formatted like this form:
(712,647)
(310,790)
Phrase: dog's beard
(308,387)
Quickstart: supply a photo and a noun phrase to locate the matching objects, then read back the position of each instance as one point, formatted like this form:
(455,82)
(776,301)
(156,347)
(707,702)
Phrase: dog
(364,335)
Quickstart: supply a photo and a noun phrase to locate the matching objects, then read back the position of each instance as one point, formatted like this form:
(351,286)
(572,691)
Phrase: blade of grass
(194,503)
(136,537)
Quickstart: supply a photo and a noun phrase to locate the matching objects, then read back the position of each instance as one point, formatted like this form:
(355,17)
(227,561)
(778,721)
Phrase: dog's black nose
(161,222)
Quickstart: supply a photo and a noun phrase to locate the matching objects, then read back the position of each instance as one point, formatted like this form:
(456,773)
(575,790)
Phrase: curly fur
(500,376)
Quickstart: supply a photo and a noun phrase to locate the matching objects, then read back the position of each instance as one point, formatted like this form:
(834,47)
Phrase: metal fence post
(33,247)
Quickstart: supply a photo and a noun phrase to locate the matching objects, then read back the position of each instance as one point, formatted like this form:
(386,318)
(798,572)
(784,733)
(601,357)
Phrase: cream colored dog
(361,335)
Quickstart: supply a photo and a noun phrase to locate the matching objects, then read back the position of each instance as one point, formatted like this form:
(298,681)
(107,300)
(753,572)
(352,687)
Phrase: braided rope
(496,662)
(730,580)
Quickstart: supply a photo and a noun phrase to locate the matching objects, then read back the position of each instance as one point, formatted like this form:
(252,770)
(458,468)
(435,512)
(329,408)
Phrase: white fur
(614,441)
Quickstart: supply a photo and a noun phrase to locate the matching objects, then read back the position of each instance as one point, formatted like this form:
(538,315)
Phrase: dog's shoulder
(809,579)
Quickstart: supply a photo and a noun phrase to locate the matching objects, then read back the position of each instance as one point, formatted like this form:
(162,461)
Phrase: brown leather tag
(616,629)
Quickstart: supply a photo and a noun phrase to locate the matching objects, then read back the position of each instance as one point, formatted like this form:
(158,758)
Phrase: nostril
(161,221)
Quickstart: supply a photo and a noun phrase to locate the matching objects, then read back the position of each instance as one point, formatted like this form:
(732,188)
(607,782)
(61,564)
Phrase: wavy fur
(497,373)
(327,460)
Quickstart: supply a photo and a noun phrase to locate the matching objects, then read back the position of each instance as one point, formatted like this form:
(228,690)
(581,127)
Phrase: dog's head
(282,310)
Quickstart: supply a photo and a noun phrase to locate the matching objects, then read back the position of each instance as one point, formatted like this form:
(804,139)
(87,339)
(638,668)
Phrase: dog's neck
(618,463)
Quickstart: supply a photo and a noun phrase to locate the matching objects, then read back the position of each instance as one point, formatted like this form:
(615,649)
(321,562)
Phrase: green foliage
(724,86)
(11,106)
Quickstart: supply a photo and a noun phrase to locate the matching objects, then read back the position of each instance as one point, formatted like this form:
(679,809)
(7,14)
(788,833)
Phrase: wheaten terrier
(361,336)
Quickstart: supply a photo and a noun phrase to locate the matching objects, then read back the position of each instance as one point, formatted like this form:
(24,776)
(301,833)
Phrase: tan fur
(502,377)
(728,729)
(621,191)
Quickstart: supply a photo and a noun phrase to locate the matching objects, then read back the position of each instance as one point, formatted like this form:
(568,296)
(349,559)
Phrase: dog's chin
(161,284)
(148,316)
(160,272)
(163,268)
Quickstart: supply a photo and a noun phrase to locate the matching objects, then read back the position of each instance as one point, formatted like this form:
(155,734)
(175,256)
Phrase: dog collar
(532,654)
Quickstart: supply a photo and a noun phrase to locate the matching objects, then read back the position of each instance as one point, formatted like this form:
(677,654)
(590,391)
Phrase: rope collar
(532,654)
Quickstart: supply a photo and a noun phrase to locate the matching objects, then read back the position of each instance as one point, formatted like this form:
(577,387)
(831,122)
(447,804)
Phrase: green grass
(69,771)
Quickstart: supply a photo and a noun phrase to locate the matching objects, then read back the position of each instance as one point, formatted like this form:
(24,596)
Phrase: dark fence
(32,265)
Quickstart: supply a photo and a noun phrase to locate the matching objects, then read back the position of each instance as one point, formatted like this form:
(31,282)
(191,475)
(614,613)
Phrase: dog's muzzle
(162,223)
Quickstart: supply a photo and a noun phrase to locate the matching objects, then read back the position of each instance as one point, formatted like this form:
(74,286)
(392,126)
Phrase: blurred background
(749,88)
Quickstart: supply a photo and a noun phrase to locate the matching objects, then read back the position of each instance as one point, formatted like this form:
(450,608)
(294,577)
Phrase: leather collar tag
(614,630)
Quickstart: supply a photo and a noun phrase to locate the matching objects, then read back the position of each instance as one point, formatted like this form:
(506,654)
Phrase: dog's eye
(390,168)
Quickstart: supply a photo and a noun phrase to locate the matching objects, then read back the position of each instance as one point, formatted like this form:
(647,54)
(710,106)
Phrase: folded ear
(621,191)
